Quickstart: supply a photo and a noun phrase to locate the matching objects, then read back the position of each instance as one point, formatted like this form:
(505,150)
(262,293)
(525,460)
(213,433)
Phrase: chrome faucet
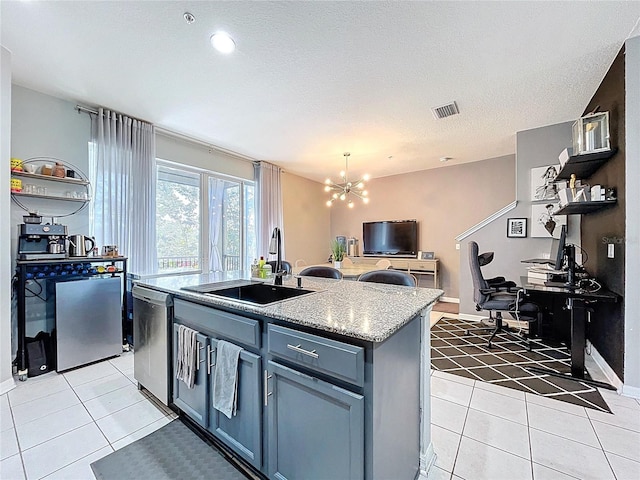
(275,248)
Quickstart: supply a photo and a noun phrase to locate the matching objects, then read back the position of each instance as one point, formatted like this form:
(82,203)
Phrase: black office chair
(286,266)
(499,295)
(392,277)
(320,271)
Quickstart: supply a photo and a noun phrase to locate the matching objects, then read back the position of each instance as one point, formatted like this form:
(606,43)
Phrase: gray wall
(6,380)
(446,201)
(45,126)
(632,259)
(534,148)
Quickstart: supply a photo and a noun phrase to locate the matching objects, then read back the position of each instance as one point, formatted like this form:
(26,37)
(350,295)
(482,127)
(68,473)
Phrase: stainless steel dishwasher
(152,317)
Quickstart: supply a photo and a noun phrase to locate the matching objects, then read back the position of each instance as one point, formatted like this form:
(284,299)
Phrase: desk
(576,301)
(352,272)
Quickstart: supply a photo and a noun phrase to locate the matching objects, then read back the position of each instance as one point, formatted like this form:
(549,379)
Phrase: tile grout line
(15,431)
(455,460)
(604,452)
(526,411)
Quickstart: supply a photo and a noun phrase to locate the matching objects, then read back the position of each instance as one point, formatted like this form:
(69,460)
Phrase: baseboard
(7,385)
(449,299)
(604,366)
(629,391)
(427,460)
(471,317)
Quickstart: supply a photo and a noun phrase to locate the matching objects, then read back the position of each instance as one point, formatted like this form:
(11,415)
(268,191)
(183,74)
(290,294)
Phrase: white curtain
(269,184)
(122,171)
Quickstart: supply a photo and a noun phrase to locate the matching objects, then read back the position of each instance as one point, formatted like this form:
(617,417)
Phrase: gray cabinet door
(192,401)
(316,430)
(243,432)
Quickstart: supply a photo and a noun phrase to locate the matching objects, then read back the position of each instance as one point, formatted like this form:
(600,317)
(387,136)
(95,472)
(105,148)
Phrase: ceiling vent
(445,111)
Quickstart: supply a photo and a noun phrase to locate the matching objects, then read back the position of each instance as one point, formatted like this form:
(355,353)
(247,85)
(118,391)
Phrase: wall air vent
(445,111)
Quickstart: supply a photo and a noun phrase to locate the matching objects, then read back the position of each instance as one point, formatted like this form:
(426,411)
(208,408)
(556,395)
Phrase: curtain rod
(170,133)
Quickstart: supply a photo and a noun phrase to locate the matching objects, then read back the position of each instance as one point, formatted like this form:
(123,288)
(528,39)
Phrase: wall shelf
(584,165)
(584,207)
(37,176)
(51,197)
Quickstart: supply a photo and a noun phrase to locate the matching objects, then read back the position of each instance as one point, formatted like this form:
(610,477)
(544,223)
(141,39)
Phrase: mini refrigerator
(88,320)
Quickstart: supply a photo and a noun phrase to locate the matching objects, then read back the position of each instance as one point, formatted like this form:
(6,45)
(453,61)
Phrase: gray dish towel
(225,379)
(186,357)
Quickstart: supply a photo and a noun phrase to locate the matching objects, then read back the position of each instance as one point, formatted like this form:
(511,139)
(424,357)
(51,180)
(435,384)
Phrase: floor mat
(454,352)
(171,452)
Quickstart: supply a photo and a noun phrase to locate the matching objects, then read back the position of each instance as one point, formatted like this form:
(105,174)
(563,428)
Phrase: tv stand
(414,266)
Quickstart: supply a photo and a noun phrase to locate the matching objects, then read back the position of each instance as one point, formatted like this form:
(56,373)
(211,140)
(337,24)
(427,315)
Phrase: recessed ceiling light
(445,159)
(222,42)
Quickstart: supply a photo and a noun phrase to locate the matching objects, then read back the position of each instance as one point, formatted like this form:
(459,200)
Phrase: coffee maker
(41,242)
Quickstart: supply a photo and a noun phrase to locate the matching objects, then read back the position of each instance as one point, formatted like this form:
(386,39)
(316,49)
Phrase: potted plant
(338,250)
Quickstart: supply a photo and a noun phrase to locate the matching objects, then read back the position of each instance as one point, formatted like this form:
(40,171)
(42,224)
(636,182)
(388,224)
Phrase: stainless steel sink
(252,292)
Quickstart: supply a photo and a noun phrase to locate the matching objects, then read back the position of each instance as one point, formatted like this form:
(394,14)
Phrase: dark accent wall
(608,226)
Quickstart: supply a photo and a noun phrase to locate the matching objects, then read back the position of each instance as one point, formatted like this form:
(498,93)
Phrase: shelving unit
(50,187)
(50,197)
(581,208)
(27,271)
(585,165)
(76,181)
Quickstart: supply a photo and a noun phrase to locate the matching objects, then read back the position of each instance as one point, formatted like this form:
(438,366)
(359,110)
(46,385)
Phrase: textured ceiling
(311,80)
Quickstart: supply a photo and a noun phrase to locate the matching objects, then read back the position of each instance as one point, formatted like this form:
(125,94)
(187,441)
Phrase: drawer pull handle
(198,348)
(266,391)
(209,358)
(299,349)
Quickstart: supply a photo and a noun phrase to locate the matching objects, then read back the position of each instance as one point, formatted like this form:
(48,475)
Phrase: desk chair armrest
(506,288)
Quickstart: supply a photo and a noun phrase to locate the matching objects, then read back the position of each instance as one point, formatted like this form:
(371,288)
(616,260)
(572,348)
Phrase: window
(199,209)
(178,220)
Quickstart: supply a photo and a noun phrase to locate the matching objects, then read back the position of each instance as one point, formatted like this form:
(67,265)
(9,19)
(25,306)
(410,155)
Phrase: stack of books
(540,275)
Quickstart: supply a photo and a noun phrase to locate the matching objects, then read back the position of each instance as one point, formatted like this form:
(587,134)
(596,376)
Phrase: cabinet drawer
(234,327)
(337,359)
(424,265)
(400,264)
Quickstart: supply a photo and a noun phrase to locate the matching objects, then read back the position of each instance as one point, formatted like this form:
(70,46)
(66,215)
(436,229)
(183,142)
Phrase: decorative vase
(337,265)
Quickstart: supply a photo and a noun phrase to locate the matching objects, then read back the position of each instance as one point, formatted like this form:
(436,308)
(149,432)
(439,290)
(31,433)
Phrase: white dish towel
(186,357)
(225,378)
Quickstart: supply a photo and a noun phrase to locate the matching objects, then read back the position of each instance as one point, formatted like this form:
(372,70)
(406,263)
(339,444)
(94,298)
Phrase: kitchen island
(332,384)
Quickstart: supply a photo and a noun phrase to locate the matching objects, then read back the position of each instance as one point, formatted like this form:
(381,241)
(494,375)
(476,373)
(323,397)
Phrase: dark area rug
(173,451)
(454,352)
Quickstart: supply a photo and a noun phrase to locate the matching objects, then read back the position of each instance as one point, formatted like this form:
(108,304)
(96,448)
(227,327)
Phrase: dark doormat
(172,452)
(453,351)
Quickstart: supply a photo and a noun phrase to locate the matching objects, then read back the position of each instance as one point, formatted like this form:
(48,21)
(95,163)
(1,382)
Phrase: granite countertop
(367,311)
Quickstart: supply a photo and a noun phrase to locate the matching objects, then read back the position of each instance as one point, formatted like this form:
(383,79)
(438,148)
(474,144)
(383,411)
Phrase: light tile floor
(483,431)
(55,425)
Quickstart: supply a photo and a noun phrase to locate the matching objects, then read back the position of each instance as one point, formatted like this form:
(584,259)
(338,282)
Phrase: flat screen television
(398,238)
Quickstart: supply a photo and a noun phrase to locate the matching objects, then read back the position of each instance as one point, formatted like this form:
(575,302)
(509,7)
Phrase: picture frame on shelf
(426,255)
(516,228)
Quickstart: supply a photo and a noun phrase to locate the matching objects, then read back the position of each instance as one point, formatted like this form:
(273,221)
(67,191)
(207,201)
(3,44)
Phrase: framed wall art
(516,227)
(543,185)
(544,223)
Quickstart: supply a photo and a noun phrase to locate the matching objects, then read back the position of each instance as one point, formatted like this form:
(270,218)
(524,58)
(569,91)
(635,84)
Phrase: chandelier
(345,188)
